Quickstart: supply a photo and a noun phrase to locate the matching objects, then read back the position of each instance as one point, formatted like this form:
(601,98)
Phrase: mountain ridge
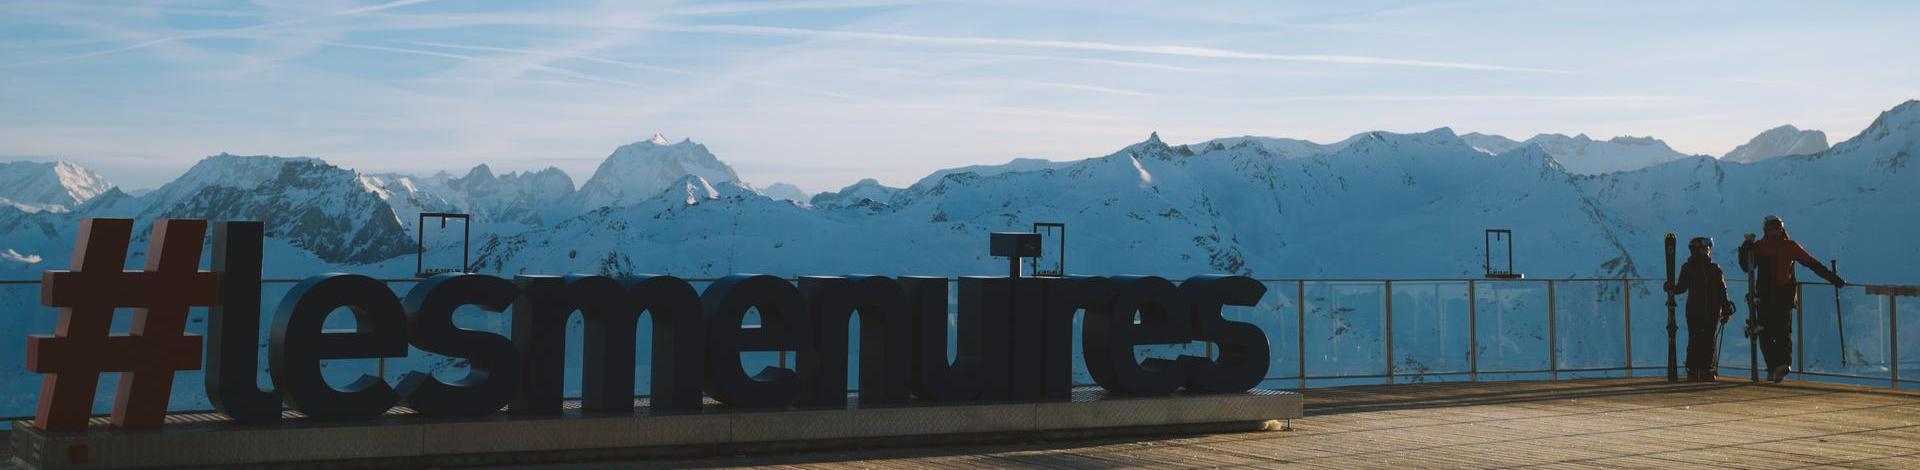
(1374,204)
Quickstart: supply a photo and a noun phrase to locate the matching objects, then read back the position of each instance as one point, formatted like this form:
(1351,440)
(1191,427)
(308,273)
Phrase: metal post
(1893,340)
(1473,333)
(1626,314)
(420,245)
(1389,330)
(1300,304)
(1553,335)
(1799,339)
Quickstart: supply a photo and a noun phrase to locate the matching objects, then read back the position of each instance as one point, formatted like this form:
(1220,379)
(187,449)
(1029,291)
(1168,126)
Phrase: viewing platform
(1571,424)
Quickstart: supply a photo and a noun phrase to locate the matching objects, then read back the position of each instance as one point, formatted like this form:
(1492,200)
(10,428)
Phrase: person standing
(1771,260)
(1707,308)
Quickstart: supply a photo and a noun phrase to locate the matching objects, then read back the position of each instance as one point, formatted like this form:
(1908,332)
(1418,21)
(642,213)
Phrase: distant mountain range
(40,186)
(1377,204)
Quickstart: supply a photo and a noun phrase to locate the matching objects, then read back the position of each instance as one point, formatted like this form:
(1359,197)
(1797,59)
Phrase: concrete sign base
(403,439)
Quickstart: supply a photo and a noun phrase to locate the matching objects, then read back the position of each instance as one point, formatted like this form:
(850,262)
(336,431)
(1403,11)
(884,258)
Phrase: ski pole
(1719,343)
(1839,325)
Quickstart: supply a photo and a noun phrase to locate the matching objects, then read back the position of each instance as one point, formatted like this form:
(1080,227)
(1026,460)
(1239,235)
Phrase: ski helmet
(1699,243)
(1773,222)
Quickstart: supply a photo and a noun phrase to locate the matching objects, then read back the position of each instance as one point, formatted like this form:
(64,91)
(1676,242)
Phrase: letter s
(1243,347)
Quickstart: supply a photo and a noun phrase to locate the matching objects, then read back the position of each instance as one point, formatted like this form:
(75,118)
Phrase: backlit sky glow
(822,93)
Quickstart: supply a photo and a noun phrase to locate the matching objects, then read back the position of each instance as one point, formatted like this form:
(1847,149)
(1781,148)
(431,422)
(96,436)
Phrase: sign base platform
(402,439)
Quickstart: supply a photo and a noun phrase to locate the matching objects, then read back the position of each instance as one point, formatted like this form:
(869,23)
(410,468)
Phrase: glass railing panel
(1344,331)
(1430,331)
(1907,338)
(1589,327)
(1648,304)
(1512,323)
(1277,315)
(1865,320)
(25,316)
(1737,352)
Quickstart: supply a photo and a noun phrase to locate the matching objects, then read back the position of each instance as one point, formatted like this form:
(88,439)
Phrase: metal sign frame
(1034,263)
(420,243)
(1487,254)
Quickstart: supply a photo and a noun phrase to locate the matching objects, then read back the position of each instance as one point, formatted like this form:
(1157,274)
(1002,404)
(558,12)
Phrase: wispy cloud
(1471,98)
(1081,87)
(225,32)
(766,7)
(466,58)
(1171,50)
(635,65)
(1766,82)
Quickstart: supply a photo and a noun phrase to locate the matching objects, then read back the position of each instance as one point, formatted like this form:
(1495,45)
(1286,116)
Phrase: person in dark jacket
(1707,308)
(1771,261)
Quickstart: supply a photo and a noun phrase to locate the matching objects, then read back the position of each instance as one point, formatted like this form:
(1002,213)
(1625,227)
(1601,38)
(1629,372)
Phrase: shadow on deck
(1594,423)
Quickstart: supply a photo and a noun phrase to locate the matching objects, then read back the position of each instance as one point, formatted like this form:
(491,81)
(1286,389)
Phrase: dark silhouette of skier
(1707,308)
(1771,260)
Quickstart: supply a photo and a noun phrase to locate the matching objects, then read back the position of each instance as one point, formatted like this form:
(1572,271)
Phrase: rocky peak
(1779,142)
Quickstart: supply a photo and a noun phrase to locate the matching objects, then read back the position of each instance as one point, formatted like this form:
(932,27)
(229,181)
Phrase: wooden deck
(1600,423)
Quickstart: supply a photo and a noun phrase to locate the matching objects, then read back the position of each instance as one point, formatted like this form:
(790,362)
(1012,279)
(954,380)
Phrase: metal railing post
(1473,333)
(1389,330)
(1553,335)
(1893,341)
(1626,315)
(1300,304)
(1799,338)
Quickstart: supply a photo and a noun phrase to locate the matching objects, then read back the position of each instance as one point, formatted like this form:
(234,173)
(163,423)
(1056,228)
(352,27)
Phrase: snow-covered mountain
(638,171)
(312,205)
(1779,142)
(1489,143)
(1584,156)
(1150,207)
(1374,205)
(1018,164)
(1377,204)
(55,186)
(866,193)
(1272,146)
(1854,202)
(532,198)
(787,192)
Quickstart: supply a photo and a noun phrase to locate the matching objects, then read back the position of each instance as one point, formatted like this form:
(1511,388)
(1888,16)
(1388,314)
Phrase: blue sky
(824,92)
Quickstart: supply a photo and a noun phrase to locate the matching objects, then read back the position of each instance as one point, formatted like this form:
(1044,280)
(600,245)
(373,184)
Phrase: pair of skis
(1748,265)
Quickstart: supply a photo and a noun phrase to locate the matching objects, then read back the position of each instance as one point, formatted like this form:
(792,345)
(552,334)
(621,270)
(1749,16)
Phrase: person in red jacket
(1707,308)
(1771,261)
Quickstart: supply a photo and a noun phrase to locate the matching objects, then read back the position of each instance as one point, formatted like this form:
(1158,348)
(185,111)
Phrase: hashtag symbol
(82,346)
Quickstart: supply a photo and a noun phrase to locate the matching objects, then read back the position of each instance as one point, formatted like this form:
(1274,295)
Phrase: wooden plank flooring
(1576,424)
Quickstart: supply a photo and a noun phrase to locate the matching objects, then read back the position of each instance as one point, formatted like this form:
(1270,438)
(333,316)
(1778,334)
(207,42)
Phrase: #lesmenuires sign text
(1014,339)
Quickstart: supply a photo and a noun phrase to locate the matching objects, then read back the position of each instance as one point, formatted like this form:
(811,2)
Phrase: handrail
(1260,279)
